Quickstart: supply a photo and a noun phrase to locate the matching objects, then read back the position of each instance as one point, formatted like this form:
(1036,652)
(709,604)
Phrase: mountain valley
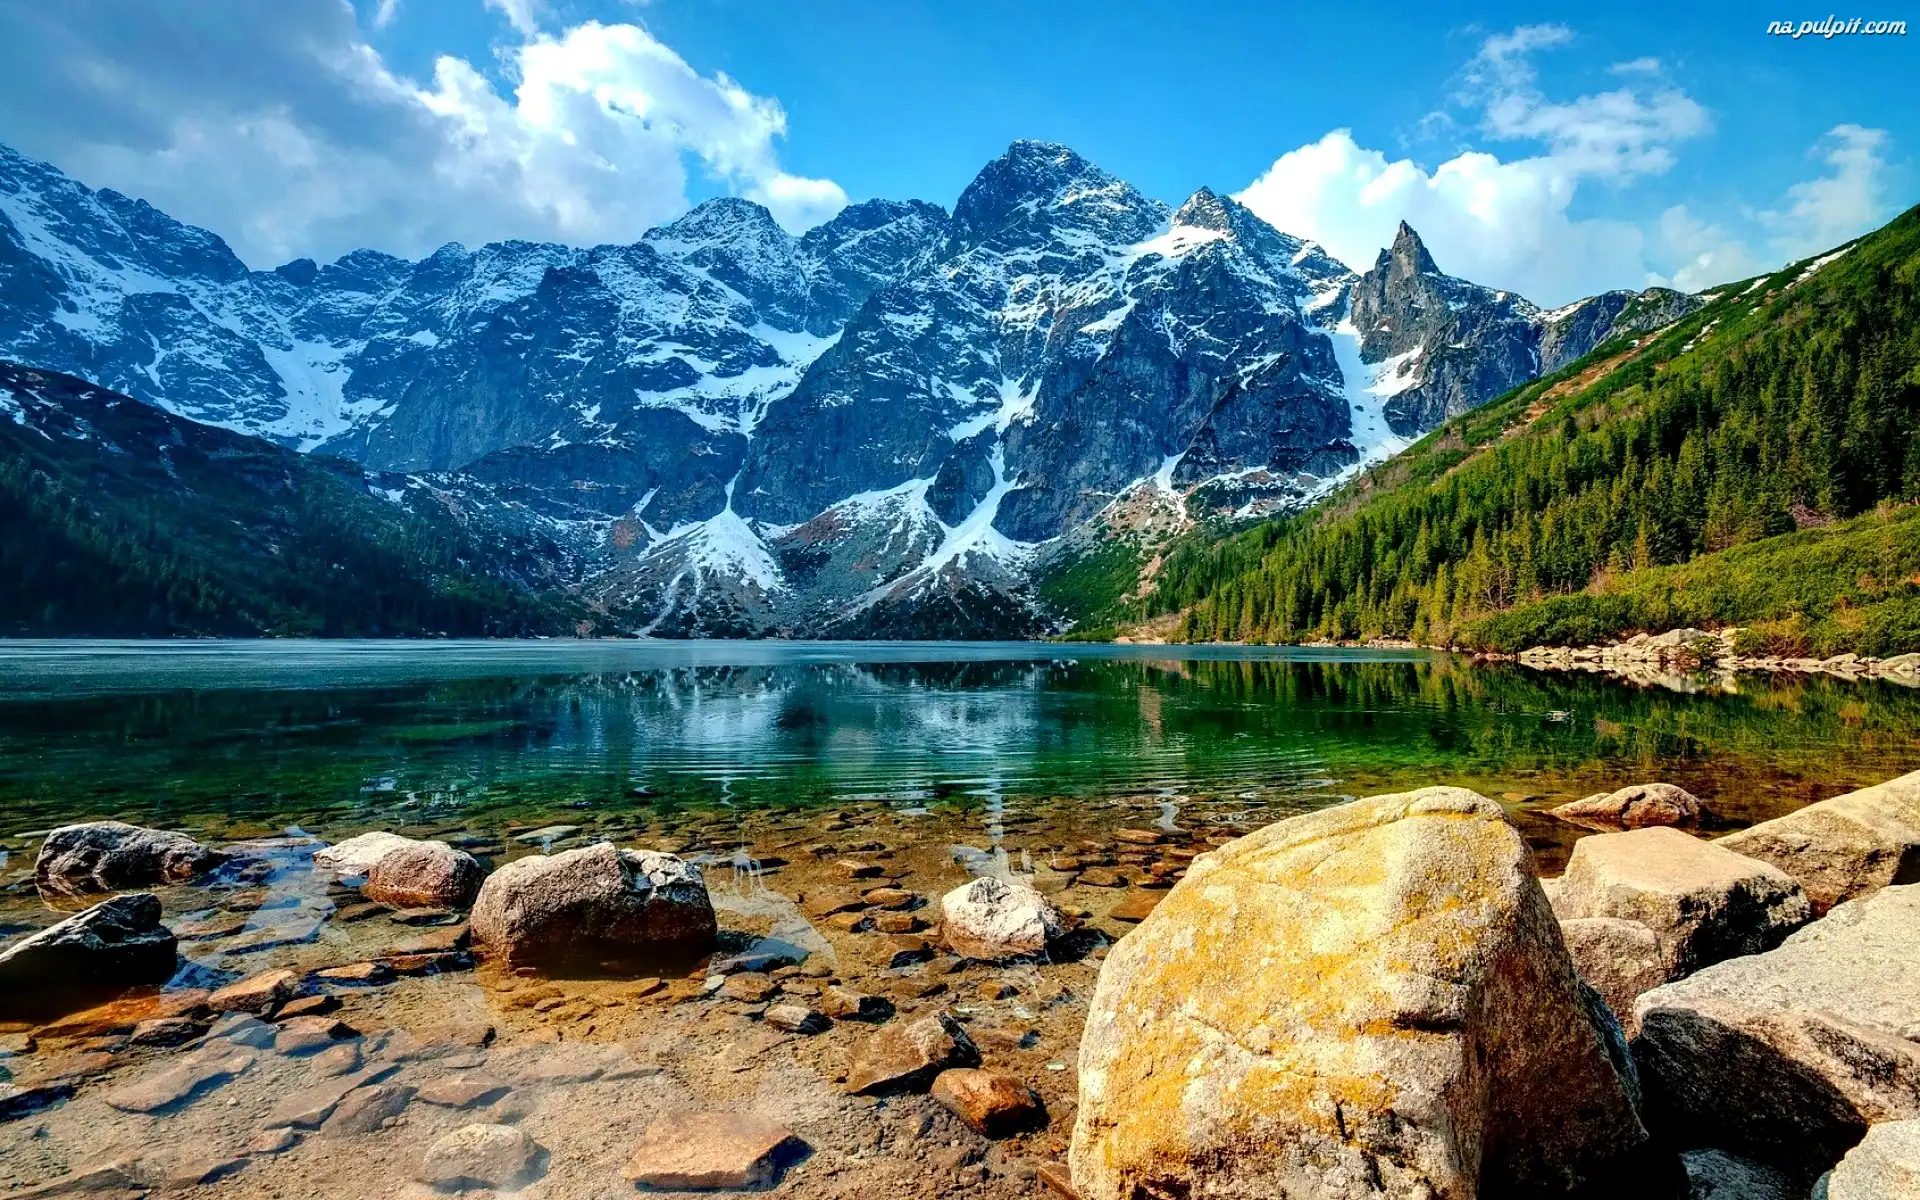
(902,423)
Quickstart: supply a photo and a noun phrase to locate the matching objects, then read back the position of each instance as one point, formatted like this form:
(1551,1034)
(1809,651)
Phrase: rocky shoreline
(1676,1015)
(1694,654)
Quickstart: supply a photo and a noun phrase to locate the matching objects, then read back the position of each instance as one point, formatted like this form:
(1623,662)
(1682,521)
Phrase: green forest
(1753,464)
(144,524)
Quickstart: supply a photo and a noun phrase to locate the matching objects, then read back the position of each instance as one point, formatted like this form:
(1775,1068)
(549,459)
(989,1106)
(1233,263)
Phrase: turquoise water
(245,737)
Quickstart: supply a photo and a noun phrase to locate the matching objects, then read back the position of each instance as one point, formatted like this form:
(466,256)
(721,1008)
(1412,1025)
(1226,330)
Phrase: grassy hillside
(118,519)
(1748,464)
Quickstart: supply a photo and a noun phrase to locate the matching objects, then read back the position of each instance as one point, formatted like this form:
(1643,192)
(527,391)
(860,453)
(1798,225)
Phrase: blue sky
(1552,149)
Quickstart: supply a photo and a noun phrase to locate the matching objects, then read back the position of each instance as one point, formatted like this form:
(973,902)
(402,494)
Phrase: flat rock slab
(845,1004)
(113,1181)
(712,1151)
(18,1101)
(827,902)
(198,1073)
(339,1059)
(748,987)
(243,1029)
(1137,906)
(906,1057)
(309,1035)
(1846,847)
(257,994)
(796,1018)
(489,1156)
(992,1103)
(365,973)
(463,1091)
(546,833)
(1788,1056)
(367,1109)
(273,1141)
(197,1169)
(309,1107)
(577,1062)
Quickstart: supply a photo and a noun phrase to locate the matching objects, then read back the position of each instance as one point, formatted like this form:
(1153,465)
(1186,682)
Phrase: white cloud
(1618,134)
(287,133)
(523,15)
(603,106)
(383,15)
(1510,223)
(1500,223)
(1812,216)
(1637,66)
(1850,197)
(1701,253)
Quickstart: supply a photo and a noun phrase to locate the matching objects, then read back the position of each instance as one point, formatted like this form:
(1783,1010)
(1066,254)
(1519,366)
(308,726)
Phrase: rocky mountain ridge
(882,427)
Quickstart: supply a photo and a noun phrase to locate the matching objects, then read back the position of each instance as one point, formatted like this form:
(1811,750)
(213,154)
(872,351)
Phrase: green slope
(1749,464)
(118,519)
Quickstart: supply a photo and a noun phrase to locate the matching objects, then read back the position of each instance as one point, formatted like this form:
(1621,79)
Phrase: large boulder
(1716,1175)
(1884,1166)
(1844,847)
(592,907)
(1642,806)
(1369,1000)
(116,944)
(111,856)
(1788,1056)
(992,919)
(1701,902)
(358,854)
(424,875)
(1618,959)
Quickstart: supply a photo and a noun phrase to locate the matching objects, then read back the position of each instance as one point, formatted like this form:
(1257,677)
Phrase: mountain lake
(790,772)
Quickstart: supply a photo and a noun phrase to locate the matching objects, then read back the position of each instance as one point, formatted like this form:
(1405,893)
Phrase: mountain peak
(1206,209)
(1046,177)
(725,219)
(1408,255)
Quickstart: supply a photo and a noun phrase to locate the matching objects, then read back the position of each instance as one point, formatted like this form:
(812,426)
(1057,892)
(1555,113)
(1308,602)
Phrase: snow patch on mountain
(1367,389)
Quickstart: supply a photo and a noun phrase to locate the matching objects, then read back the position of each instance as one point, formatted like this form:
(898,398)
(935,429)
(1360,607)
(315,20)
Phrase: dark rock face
(1451,345)
(1576,330)
(118,943)
(873,428)
(105,856)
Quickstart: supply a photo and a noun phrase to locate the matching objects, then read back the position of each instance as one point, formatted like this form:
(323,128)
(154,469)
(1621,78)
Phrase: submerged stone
(116,944)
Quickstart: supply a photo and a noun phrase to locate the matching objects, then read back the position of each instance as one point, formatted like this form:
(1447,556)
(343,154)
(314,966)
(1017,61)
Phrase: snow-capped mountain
(1444,345)
(877,428)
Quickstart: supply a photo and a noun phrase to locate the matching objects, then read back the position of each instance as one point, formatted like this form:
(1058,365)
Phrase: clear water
(767,763)
(240,738)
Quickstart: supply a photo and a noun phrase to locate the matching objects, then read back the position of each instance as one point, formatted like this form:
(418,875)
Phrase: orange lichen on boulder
(1372,999)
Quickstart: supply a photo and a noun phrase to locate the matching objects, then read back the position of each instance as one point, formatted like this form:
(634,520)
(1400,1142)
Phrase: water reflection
(1264,729)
